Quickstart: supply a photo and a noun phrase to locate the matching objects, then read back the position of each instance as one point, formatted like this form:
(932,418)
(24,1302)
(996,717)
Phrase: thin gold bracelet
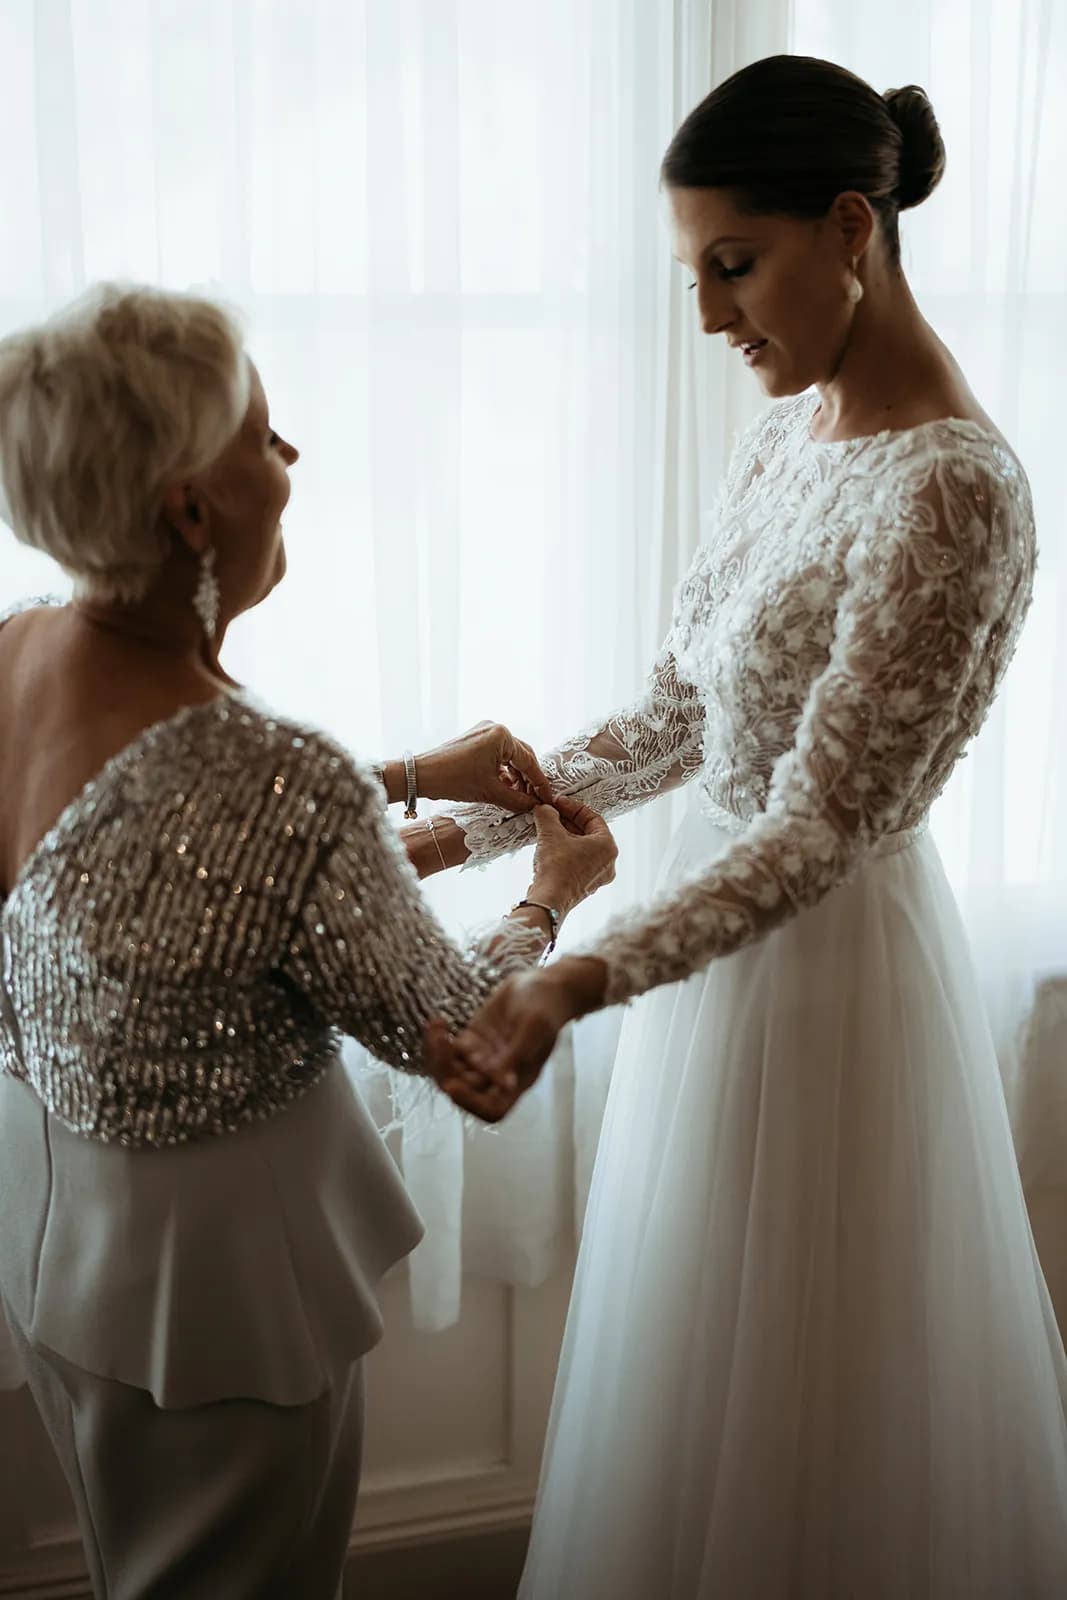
(433,833)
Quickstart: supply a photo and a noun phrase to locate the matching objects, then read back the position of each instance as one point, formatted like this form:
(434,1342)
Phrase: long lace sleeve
(653,745)
(368,953)
(935,595)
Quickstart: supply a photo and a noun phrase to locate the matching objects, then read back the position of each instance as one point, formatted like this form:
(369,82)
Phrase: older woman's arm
(370,955)
(486,765)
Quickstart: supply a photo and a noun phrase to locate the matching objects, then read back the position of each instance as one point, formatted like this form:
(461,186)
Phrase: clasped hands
(490,1063)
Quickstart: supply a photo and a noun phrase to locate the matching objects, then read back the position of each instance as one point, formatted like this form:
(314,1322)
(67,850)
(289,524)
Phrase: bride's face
(775,287)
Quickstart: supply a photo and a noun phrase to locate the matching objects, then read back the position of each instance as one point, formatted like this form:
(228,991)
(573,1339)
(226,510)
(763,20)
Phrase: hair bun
(922,150)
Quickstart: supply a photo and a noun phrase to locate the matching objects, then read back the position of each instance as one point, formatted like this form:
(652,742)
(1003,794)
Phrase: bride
(810,1351)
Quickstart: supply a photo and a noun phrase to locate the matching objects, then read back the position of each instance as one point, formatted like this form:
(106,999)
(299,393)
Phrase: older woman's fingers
(437,1050)
(488,1105)
(510,796)
(581,817)
(523,758)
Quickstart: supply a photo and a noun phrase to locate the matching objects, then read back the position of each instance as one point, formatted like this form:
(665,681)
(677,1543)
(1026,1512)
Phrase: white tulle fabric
(811,1354)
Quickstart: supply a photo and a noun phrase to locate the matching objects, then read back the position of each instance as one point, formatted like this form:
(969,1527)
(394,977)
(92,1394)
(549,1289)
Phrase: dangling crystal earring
(206,598)
(855,288)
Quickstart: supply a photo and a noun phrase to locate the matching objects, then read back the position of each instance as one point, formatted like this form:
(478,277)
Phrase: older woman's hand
(486,765)
(488,1065)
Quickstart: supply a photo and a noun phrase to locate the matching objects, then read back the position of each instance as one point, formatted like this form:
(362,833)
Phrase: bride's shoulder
(774,432)
(955,456)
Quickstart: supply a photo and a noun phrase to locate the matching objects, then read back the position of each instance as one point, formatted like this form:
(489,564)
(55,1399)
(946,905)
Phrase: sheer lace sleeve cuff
(613,766)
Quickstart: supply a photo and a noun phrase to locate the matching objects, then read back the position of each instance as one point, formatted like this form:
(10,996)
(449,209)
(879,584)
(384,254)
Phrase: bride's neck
(892,365)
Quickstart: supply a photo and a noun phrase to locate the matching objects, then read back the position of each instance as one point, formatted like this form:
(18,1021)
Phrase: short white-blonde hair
(102,408)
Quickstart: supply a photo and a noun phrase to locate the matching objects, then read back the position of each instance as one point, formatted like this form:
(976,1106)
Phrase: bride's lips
(752,350)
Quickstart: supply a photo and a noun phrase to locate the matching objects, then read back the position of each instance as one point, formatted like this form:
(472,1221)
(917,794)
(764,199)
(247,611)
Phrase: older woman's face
(248,488)
(775,287)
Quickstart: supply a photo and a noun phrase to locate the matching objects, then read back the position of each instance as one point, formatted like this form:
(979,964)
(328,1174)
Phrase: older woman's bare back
(73,697)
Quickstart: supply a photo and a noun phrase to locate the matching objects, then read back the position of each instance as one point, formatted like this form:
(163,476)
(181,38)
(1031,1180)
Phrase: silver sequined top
(183,950)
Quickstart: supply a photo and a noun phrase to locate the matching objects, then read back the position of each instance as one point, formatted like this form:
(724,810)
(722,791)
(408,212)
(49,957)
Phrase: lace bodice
(835,645)
(183,949)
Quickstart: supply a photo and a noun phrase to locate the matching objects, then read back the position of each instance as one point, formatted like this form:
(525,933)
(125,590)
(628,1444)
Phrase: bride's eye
(736,272)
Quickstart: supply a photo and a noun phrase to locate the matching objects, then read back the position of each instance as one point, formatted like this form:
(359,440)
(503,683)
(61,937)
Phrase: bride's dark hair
(790,133)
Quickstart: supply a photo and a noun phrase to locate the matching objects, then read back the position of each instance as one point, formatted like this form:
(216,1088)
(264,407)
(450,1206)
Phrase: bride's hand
(486,765)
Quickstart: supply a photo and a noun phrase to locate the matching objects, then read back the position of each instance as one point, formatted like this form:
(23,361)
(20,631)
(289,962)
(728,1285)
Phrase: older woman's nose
(290,454)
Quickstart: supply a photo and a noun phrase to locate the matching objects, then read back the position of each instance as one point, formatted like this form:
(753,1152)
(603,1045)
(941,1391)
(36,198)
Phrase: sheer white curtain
(441,220)
(988,259)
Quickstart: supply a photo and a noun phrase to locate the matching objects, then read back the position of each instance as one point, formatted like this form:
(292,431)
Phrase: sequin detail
(185,948)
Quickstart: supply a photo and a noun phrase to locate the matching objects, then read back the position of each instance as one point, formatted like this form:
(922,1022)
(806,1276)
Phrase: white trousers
(236,1500)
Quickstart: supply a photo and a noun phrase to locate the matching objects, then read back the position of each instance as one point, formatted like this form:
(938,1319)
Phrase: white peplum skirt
(239,1266)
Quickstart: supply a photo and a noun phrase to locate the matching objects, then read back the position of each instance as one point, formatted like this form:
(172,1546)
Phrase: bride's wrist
(581,983)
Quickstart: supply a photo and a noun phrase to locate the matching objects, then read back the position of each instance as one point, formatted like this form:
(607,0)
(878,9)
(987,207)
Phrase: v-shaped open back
(88,793)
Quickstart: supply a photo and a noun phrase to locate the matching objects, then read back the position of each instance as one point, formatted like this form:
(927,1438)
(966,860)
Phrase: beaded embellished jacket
(184,949)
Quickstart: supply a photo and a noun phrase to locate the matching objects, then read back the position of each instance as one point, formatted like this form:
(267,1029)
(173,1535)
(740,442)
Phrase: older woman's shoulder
(33,603)
(308,777)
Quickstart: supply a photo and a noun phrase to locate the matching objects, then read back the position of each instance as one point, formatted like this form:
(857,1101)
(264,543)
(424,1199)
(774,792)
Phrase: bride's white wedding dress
(810,1351)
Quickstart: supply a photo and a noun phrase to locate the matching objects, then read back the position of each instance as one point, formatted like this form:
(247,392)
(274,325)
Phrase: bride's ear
(854,220)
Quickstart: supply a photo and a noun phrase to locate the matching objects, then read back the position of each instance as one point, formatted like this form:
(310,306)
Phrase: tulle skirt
(810,1352)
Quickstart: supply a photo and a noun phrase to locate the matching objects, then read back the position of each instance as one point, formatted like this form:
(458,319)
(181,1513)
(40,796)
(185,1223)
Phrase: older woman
(196,899)
(810,1354)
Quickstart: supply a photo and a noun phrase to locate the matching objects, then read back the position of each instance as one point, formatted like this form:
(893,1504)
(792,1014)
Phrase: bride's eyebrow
(716,244)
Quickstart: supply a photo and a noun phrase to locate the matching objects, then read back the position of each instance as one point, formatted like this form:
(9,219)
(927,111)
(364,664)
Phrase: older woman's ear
(185,511)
